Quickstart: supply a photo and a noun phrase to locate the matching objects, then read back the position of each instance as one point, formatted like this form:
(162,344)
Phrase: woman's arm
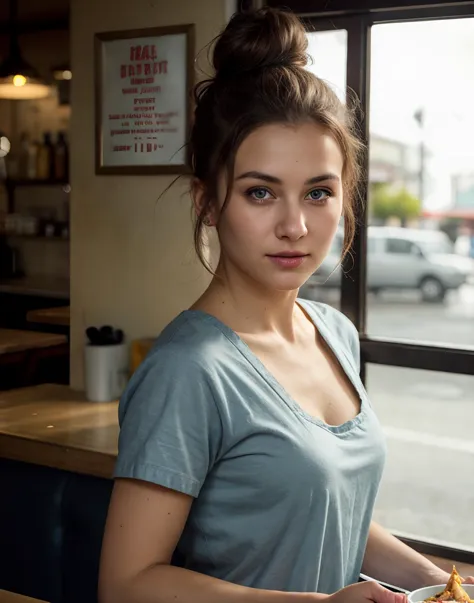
(144,524)
(165,583)
(389,560)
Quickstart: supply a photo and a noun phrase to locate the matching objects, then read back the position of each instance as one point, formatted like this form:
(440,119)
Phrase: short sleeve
(170,430)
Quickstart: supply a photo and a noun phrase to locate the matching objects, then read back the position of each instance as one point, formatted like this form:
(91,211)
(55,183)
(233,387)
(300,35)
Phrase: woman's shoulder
(191,339)
(181,368)
(170,414)
(190,349)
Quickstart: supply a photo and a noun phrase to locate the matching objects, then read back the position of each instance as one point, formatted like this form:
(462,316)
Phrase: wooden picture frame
(143,100)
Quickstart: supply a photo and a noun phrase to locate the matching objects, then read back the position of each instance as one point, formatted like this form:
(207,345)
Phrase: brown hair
(260,79)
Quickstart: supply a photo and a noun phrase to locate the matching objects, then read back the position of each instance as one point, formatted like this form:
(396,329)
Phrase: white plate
(430,591)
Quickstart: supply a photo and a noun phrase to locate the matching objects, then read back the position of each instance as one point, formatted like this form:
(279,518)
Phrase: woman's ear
(201,203)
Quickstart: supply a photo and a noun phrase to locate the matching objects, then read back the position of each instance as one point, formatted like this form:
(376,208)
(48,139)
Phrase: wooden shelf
(7,597)
(59,316)
(12,183)
(40,286)
(12,235)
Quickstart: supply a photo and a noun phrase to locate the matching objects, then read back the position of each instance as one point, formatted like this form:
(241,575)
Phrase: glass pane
(328,52)
(427,491)
(420,266)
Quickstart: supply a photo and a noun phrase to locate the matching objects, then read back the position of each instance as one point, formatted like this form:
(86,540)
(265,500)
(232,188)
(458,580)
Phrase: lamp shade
(18,79)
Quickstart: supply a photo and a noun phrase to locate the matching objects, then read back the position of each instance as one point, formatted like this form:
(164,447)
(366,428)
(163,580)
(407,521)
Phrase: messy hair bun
(260,78)
(260,40)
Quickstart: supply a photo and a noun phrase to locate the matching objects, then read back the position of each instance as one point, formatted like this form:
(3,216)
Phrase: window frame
(383,350)
(315,8)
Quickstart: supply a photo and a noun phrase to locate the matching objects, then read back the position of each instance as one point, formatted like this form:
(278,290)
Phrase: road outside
(428,418)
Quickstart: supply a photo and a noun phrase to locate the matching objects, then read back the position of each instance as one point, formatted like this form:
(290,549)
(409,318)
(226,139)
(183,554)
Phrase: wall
(132,261)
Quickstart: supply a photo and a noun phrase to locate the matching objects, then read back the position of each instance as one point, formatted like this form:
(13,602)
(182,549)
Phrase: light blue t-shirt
(282,500)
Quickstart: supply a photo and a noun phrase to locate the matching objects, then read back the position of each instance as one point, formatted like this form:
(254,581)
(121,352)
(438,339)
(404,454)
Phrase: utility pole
(420,118)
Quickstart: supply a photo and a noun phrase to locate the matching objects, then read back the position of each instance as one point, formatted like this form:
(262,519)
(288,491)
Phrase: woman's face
(285,205)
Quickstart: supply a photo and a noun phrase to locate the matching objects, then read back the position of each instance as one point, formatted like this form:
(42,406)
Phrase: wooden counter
(12,340)
(7,597)
(54,426)
(51,316)
(40,286)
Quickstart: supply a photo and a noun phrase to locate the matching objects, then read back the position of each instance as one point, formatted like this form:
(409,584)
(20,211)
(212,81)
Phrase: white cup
(106,369)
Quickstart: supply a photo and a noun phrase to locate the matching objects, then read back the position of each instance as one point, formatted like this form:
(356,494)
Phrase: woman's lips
(288,261)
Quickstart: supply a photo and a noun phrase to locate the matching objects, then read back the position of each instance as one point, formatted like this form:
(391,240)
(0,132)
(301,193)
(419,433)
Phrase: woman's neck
(249,309)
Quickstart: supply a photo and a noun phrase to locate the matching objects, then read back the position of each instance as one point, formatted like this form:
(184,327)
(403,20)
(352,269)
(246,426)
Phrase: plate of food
(454,592)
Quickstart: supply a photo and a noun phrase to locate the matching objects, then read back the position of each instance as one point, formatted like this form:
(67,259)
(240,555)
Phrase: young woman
(247,443)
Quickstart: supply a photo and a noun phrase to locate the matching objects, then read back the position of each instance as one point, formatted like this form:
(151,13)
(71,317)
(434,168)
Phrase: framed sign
(143,84)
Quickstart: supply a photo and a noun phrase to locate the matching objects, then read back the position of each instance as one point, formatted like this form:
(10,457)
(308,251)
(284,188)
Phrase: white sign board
(143,88)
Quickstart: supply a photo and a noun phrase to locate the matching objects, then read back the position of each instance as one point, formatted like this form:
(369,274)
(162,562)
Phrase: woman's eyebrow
(274,180)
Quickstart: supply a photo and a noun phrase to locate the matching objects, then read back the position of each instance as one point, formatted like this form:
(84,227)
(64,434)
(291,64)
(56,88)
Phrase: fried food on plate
(453,591)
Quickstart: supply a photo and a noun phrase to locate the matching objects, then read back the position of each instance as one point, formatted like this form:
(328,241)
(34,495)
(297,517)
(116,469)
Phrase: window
(374,245)
(399,246)
(328,54)
(410,287)
(421,173)
(427,491)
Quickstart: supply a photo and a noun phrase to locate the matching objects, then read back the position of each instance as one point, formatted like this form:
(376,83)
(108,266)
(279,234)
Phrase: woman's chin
(279,280)
(289,284)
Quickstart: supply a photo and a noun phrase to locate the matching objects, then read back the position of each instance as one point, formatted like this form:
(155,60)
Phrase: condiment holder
(106,364)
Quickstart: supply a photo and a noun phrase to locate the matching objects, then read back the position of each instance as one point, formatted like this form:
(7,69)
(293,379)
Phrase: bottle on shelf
(45,159)
(32,165)
(28,158)
(61,158)
(24,158)
(49,224)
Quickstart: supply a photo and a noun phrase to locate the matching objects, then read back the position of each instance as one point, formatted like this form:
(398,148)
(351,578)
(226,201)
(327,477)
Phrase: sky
(428,65)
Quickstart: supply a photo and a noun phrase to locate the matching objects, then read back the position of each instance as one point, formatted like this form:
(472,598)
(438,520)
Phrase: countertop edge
(24,288)
(57,456)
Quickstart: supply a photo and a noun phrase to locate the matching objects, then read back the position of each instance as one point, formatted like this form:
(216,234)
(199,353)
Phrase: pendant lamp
(18,79)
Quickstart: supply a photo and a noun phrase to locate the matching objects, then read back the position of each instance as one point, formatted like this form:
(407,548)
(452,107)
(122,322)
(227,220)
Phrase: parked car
(401,258)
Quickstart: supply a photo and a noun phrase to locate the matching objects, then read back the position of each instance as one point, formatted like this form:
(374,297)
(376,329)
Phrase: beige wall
(132,262)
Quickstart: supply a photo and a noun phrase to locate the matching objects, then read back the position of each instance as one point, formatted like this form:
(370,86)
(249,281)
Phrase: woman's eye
(259,194)
(319,195)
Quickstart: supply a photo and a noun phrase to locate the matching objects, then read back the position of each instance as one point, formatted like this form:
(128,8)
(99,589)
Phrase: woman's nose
(292,224)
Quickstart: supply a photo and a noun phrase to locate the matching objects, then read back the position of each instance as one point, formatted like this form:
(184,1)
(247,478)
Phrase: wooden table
(40,286)
(23,354)
(54,426)
(12,340)
(7,597)
(51,316)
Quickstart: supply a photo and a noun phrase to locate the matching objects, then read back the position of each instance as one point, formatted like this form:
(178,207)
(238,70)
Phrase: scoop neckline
(258,365)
